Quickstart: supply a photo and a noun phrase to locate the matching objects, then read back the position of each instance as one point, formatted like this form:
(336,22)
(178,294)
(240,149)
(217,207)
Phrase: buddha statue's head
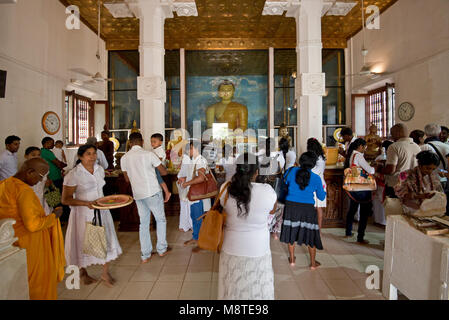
(373,129)
(283,131)
(226,90)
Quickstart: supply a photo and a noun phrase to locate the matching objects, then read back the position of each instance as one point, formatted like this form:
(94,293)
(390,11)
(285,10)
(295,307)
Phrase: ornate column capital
(151,88)
(329,8)
(185,8)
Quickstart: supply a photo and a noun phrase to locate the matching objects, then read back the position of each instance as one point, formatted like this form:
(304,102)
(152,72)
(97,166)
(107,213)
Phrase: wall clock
(406,111)
(51,122)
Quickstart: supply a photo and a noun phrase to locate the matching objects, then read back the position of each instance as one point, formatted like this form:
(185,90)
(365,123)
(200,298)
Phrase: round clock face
(406,111)
(51,122)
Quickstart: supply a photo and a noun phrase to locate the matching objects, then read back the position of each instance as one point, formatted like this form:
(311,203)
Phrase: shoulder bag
(212,228)
(281,187)
(95,243)
(203,190)
(357,179)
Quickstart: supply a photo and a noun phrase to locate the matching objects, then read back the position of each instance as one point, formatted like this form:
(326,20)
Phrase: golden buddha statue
(373,143)
(227,111)
(133,130)
(283,133)
(176,148)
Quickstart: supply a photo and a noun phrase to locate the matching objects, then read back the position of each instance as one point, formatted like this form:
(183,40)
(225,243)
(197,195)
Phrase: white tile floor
(193,276)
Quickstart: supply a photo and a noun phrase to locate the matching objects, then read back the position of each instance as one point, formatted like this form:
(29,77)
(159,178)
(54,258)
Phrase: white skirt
(74,238)
(185,221)
(245,278)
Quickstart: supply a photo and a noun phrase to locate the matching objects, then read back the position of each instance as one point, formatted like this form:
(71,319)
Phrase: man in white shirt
(433,143)
(8,159)
(401,156)
(138,166)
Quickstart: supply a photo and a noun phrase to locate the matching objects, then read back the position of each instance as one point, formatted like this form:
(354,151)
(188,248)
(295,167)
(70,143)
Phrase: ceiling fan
(365,71)
(97,77)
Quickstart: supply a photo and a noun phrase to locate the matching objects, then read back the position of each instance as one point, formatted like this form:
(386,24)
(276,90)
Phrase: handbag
(281,187)
(52,196)
(203,190)
(212,228)
(95,238)
(357,179)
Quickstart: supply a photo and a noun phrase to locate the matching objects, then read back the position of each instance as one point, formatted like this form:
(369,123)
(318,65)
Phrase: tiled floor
(186,275)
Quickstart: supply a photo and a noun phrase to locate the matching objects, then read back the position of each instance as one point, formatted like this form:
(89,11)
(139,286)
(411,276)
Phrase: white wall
(412,44)
(37,50)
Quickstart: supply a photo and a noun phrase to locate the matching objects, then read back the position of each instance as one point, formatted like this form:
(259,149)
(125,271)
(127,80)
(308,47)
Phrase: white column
(271,88)
(182,56)
(151,86)
(310,83)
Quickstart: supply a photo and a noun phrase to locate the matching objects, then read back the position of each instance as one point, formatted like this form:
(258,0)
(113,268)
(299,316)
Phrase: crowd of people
(411,167)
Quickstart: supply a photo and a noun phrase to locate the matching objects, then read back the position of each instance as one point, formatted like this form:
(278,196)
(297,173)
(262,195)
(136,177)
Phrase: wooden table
(337,199)
(415,264)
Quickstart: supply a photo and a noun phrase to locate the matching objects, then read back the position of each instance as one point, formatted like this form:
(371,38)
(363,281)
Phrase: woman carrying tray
(82,186)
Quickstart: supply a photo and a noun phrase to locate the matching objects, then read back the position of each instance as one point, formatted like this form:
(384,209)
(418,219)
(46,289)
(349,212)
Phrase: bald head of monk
(399,131)
(32,171)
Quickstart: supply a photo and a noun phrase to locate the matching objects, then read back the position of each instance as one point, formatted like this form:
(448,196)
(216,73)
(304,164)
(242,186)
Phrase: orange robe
(39,234)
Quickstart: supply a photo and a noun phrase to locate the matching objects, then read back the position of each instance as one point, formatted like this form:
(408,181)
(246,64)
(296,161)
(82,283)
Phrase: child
(59,151)
(156,143)
(31,153)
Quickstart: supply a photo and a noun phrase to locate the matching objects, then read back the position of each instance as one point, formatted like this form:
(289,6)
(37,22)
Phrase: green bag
(52,195)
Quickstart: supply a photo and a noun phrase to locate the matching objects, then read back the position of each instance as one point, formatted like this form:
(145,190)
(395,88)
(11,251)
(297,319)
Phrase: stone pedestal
(13,265)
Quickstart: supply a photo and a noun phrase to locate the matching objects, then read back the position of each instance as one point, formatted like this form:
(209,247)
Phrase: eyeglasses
(41,175)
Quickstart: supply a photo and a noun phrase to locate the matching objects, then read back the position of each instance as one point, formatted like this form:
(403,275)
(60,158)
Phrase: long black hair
(313,145)
(352,147)
(82,150)
(284,146)
(307,162)
(240,186)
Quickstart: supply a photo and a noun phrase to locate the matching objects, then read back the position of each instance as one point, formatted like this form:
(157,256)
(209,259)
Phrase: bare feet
(108,280)
(315,266)
(292,261)
(145,260)
(166,252)
(196,249)
(276,236)
(363,242)
(189,242)
(86,278)
(167,196)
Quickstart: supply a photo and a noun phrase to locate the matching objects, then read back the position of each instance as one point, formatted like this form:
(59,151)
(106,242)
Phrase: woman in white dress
(195,171)
(313,145)
(82,186)
(245,267)
(185,221)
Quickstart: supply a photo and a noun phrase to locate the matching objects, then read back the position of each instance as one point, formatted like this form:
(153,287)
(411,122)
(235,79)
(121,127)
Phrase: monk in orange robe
(39,234)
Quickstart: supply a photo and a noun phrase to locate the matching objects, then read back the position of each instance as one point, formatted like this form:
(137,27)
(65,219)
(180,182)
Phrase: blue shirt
(295,194)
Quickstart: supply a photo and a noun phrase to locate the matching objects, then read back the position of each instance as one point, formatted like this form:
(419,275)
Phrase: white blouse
(249,236)
(358,160)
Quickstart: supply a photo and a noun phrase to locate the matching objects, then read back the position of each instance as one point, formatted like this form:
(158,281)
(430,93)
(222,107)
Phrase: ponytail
(352,147)
(307,162)
(240,186)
